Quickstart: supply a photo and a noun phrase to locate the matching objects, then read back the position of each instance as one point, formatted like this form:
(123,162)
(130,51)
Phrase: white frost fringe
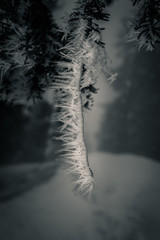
(72,135)
(79,51)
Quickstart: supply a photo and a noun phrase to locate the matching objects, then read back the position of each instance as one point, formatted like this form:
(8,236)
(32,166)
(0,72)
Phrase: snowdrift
(125,204)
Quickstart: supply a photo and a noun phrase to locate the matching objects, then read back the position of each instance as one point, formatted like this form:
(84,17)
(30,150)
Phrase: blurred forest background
(26,133)
(131,123)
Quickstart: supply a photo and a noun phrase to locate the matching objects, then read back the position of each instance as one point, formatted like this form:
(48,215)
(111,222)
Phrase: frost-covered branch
(145,25)
(82,61)
(28,41)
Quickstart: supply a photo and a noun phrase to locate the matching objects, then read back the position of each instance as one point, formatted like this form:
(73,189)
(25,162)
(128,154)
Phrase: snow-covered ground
(125,205)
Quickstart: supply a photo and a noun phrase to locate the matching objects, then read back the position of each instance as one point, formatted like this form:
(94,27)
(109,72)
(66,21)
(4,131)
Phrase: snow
(125,204)
(17,178)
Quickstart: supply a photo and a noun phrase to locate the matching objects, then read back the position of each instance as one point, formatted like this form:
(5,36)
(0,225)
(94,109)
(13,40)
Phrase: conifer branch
(145,25)
(78,72)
